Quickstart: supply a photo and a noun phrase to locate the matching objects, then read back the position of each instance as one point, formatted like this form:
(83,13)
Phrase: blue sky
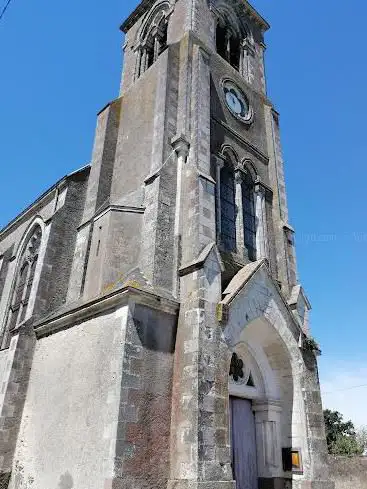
(61,62)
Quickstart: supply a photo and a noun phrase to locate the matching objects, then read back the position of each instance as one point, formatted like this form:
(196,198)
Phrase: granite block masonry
(146,295)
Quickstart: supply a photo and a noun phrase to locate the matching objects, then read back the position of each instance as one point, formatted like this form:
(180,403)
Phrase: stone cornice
(197,264)
(112,208)
(140,10)
(145,5)
(249,10)
(79,312)
(263,188)
(254,14)
(120,208)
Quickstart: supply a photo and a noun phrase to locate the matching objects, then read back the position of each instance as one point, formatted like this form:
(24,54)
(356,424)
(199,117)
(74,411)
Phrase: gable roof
(243,278)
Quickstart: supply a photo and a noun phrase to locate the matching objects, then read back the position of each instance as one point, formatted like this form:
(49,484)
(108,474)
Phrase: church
(153,330)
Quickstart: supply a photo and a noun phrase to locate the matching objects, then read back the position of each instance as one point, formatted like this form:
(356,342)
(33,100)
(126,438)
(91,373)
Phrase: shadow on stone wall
(348,472)
(4,480)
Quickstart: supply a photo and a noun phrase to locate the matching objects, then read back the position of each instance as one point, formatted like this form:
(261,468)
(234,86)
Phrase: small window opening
(250,382)
(222,44)
(150,54)
(228,208)
(163,38)
(249,216)
(228,46)
(29,287)
(235,52)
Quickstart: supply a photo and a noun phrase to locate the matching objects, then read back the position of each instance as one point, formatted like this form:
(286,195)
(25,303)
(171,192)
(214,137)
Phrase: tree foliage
(362,438)
(341,435)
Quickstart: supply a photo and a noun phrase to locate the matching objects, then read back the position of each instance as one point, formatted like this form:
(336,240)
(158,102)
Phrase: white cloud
(340,392)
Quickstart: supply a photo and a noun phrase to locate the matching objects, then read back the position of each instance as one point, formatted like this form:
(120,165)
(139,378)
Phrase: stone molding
(112,208)
(181,145)
(262,157)
(200,261)
(261,187)
(240,281)
(82,312)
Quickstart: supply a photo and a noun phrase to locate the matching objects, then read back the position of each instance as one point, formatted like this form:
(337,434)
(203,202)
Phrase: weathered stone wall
(254,133)
(98,406)
(60,209)
(69,423)
(348,473)
(3,358)
(143,448)
(57,265)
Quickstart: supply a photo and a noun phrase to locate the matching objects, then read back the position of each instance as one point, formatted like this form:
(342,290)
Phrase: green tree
(341,435)
(362,438)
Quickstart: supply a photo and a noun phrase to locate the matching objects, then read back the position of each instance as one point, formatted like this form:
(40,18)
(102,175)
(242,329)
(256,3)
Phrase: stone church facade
(153,330)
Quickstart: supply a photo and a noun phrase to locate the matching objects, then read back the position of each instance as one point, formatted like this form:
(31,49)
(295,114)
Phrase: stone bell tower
(186,199)
(193,113)
(183,309)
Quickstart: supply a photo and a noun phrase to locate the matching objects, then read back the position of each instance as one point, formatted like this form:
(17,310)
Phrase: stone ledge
(79,312)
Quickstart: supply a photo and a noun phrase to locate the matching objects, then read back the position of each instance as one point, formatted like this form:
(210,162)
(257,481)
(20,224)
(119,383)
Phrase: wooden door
(243,437)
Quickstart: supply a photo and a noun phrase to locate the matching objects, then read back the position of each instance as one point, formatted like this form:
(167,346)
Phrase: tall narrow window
(249,216)
(235,52)
(222,41)
(228,208)
(150,53)
(24,281)
(162,36)
(16,306)
(228,45)
(153,41)
(29,286)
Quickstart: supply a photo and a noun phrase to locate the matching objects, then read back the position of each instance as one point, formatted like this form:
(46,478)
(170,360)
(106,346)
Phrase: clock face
(237,101)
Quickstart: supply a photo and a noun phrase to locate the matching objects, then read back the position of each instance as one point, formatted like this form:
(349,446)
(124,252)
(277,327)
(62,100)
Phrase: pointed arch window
(24,281)
(238,228)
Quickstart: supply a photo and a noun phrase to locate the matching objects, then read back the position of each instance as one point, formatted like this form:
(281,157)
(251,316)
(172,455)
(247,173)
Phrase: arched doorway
(261,404)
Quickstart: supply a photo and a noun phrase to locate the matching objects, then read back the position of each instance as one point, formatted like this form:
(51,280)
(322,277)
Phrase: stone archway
(257,322)
(267,383)
(253,312)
